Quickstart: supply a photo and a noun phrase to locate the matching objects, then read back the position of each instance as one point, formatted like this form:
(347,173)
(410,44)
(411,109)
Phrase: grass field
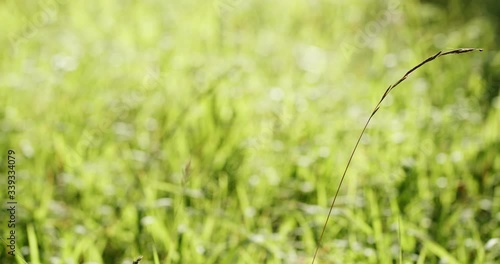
(217,131)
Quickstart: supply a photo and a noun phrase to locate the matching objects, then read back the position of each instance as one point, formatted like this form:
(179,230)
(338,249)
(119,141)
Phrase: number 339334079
(11,175)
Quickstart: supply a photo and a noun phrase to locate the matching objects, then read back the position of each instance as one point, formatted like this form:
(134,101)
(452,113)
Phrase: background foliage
(216,131)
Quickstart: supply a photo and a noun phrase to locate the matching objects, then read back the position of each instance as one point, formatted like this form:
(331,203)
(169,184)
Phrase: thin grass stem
(377,107)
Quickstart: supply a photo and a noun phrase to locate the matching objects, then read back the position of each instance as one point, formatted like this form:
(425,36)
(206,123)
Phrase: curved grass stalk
(377,107)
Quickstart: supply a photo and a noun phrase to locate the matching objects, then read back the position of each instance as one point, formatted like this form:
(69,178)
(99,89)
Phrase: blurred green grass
(216,132)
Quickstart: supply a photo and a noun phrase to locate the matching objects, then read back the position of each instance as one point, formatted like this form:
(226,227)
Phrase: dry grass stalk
(389,89)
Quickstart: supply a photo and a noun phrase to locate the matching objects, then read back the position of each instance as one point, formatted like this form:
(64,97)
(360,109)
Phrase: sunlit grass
(187,133)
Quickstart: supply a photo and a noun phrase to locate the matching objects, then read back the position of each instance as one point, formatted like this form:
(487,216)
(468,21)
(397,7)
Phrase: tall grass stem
(377,107)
